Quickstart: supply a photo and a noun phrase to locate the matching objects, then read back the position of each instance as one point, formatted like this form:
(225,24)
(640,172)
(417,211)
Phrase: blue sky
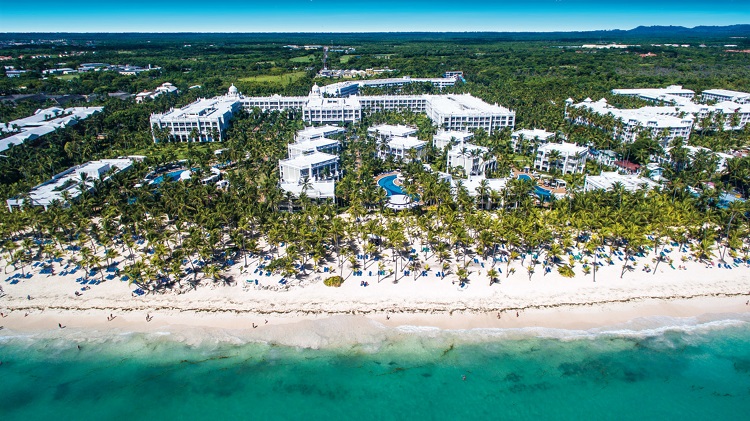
(357,16)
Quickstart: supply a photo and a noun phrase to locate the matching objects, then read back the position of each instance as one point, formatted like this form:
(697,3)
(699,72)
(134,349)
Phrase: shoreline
(636,313)
(524,300)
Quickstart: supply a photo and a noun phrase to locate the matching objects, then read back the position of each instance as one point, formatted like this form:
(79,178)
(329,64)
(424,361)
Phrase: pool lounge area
(542,192)
(397,198)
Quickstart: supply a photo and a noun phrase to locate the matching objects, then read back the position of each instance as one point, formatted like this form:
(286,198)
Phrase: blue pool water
(390,188)
(538,190)
(172,176)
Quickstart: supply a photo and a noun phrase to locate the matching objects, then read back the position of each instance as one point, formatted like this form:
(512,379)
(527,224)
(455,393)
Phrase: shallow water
(696,370)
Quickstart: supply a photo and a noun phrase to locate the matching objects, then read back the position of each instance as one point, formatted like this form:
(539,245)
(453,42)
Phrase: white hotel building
(607,180)
(719,95)
(471,158)
(534,137)
(70,183)
(572,158)
(655,120)
(206,117)
(450,112)
(313,167)
(449,138)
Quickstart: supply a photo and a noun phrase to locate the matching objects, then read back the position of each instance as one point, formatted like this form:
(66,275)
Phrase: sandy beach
(546,300)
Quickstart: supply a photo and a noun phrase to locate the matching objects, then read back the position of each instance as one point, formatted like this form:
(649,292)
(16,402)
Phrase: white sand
(546,300)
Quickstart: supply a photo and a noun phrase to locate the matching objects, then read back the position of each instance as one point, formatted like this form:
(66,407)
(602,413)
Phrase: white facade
(607,180)
(450,112)
(342,89)
(320,144)
(313,167)
(321,110)
(465,112)
(655,93)
(471,158)
(70,183)
(445,138)
(572,158)
(313,132)
(400,147)
(657,121)
(209,118)
(534,137)
(726,95)
(383,132)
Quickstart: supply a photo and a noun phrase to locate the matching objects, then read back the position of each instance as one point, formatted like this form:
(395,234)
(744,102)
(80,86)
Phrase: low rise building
(165,88)
(311,167)
(70,184)
(568,158)
(720,95)
(384,132)
(404,148)
(320,144)
(525,140)
(609,180)
(313,132)
(450,138)
(473,159)
(41,123)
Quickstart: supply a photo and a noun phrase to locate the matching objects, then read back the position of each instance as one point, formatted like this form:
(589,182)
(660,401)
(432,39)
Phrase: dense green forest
(531,76)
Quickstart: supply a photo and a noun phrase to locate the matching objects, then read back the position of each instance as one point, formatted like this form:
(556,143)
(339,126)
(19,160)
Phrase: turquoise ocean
(659,369)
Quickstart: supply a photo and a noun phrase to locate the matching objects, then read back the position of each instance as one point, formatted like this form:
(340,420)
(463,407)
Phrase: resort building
(660,122)
(449,138)
(312,167)
(404,148)
(692,151)
(608,180)
(568,158)
(465,112)
(525,140)
(450,112)
(343,89)
(165,88)
(720,95)
(384,132)
(320,144)
(204,120)
(655,94)
(41,123)
(70,184)
(310,133)
(473,159)
(605,157)
(321,110)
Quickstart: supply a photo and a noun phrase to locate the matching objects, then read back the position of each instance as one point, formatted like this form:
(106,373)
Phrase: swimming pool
(390,188)
(538,190)
(173,176)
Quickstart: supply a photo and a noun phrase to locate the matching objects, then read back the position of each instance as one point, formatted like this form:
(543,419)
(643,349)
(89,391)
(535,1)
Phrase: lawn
(345,59)
(284,79)
(67,77)
(304,59)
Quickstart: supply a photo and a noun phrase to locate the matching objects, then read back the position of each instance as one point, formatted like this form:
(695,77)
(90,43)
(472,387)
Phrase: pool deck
(557,191)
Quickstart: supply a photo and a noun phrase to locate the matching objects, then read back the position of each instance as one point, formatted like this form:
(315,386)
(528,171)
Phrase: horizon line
(379,32)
